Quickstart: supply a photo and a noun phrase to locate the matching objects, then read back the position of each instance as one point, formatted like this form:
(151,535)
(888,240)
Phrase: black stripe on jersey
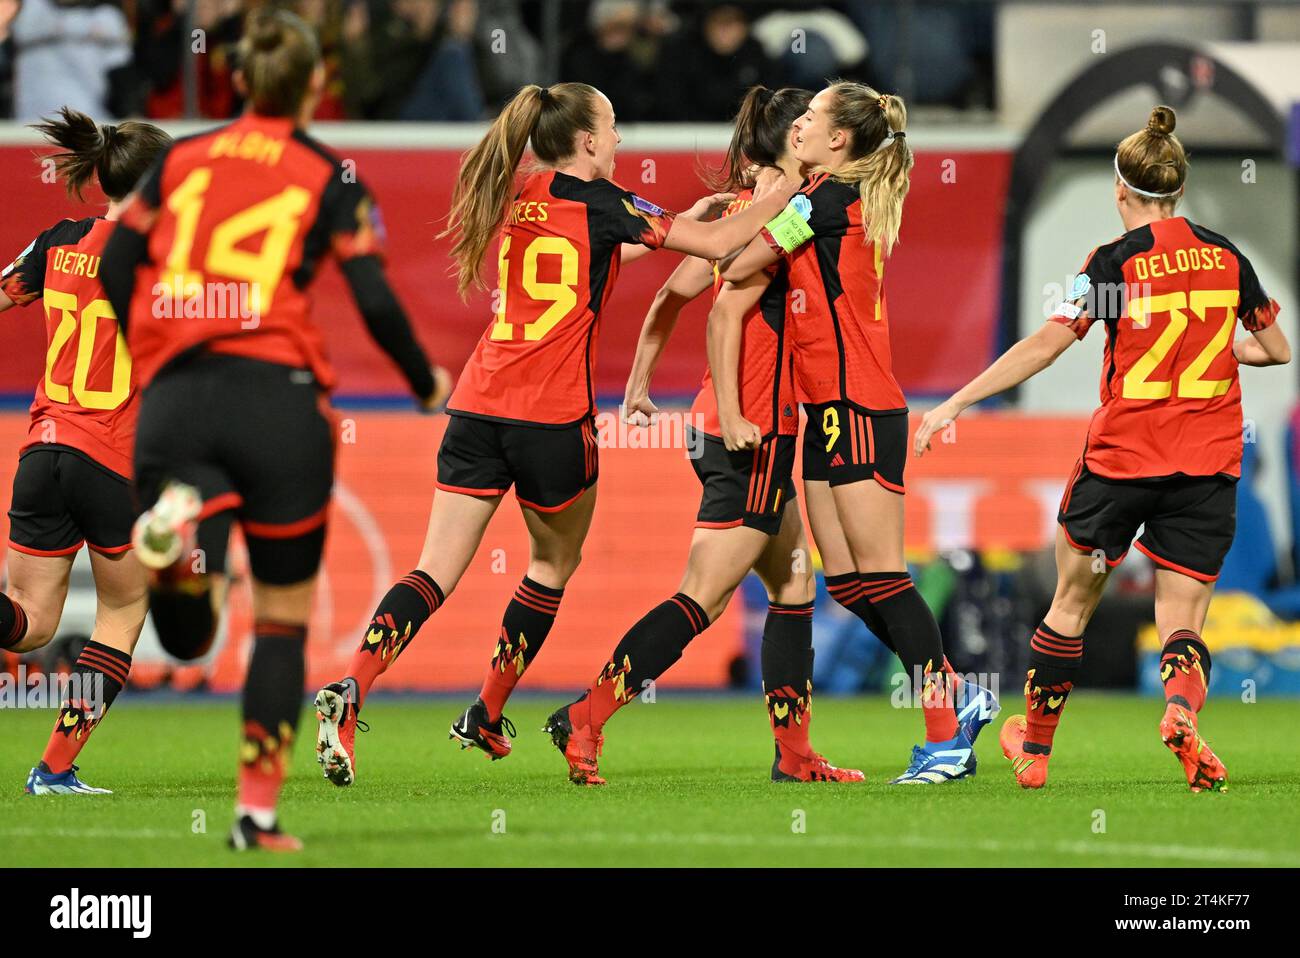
(316,242)
(772,308)
(1105,271)
(24,278)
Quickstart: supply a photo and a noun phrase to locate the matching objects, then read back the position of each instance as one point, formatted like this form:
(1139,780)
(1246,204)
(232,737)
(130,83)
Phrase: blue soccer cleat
(41,782)
(939,762)
(976,706)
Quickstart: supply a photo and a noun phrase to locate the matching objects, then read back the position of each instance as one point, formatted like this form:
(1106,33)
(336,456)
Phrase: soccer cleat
(247,835)
(793,767)
(164,532)
(336,733)
(473,728)
(43,782)
(976,706)
(1029,769)
(581,749)
(937,762)
(1205,773)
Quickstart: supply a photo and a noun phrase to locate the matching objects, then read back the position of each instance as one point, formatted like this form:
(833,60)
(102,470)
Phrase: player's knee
(185,621)
(797,590)
(555,571)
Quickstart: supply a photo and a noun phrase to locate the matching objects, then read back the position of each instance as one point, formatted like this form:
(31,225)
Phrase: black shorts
(257,440)
(63,498)
(844,443)
(549,467)
(1188,521)
(746,488)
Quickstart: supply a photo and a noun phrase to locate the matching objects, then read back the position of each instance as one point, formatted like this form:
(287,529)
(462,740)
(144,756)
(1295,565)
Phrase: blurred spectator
(608,56)
(416,63)
(941,54)
(508,55)
(8,10)
(706,69)
(165,45)
(812,45)
(326,17)
(64,54)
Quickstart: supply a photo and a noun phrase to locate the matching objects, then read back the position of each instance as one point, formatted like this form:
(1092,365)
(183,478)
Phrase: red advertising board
(943,277)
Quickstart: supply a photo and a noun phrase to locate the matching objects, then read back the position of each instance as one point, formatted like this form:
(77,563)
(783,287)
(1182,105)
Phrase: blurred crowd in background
(459,60)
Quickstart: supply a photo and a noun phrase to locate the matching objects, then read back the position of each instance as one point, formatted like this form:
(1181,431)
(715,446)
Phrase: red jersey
(839,324)
(87,399)
(766,377)
(238,219)
(1169,294)
(558,261)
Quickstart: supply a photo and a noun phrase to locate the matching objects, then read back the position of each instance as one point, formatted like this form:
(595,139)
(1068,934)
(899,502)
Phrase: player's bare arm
(724,336)
(691,278)
(1024,360)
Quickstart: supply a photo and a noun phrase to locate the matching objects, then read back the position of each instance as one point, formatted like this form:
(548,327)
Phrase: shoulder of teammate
(23,280)
(1255,308)
(619,215)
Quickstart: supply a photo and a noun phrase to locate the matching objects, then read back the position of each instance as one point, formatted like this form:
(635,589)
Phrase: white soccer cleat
(163,533)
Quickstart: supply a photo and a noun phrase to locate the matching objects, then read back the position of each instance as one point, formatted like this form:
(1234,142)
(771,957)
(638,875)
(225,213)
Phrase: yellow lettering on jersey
(252,145)
(72,263)
(529,211)
(1188,260)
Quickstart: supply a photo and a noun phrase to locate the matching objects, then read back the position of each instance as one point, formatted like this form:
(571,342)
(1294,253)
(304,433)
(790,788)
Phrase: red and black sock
(787,656)
(918,644)
(399,615)
(272,700)
(646,652)
(1054,661)
(13,622)
(1185,670)
(847,590)
(99,675)
(524,628)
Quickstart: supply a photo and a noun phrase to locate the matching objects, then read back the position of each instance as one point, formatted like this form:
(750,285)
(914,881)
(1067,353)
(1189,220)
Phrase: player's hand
(740,433)
(708,208)
(639,411)
(772,181)
(442,384)
(940,417)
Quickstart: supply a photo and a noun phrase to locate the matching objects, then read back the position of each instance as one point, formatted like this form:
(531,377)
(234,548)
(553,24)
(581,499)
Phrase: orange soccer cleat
(580,747)
(1030,768)
(790,766)
(1205,773)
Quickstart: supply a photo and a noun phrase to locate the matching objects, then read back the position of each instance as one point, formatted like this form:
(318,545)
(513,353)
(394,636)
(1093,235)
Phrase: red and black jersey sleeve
(349,218)
(1255,309)
(619,216)
(23,280)
(1093,294)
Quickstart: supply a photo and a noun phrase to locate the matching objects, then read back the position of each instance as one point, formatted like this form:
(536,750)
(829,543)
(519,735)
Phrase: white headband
(1146,193)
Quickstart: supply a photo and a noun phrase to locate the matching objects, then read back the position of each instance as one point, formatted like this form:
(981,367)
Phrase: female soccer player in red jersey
(835,238)
(73,483)
(212,262)
(1163,451)
(522,413)
(748,516)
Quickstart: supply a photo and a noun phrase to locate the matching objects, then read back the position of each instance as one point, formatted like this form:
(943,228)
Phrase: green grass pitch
(688,786)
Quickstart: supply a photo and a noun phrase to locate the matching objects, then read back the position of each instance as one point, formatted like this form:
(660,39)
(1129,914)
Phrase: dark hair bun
(265,34)
(1162,121)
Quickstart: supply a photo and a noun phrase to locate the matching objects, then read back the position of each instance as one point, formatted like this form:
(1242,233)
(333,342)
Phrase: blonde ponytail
(881,161)
(551,117)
